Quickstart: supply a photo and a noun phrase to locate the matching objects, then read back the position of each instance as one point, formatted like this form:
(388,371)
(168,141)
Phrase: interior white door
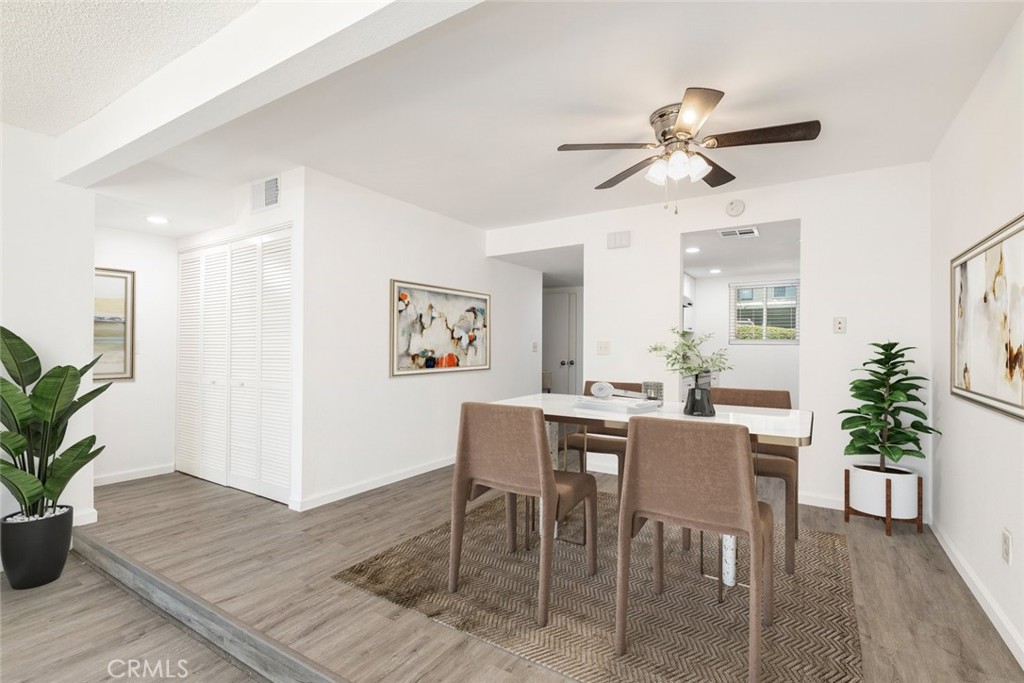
(243,398)
(188,403)
(215,298)
(276,365)
(559,335)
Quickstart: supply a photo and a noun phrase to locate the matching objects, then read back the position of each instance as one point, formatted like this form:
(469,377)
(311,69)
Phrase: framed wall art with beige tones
(436,329)
(113,324)
(987,345)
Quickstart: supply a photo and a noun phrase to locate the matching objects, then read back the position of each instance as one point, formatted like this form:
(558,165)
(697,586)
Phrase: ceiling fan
(675,129)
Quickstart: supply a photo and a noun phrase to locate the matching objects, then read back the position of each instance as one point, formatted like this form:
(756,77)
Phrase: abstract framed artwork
(987,331)
(436,329)
(113,324)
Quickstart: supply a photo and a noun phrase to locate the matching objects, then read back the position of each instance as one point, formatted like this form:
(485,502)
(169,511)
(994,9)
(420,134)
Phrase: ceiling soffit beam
(270,51)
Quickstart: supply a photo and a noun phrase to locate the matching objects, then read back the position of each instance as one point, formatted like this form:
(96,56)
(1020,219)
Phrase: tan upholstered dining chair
(700,476)
(601,439)
(506,448)
(778,462)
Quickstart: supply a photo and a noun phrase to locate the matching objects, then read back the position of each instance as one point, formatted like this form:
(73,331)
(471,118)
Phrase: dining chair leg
(754,653)
(455,554)
(721,574)
(528,523)
(796,497)
(547,542)
(659,558)
(590,508)
(686,538)
(622,467)
(622,582)
(510,522)
(768,546)
(701,536)
(791,526)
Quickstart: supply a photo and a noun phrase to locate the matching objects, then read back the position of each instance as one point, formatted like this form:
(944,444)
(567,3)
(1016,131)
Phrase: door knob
(562,363)
(572,362)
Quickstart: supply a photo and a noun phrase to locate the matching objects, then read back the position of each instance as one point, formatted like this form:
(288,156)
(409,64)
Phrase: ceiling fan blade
(694,110)
(607,145)
(718,175)
(635,168)
(790,132)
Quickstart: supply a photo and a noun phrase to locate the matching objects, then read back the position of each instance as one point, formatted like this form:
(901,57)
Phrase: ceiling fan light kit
(675,129)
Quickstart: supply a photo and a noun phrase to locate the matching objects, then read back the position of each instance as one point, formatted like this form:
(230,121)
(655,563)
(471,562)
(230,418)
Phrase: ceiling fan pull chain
(676,212)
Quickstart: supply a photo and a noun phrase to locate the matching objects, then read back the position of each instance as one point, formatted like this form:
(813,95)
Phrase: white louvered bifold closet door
(243,454)
(213,456)
(188,408)
(275,444)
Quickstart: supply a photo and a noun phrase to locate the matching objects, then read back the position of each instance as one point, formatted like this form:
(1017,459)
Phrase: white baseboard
(1009,633)
(128,475)
(85,516)
(817,501)
(319,499)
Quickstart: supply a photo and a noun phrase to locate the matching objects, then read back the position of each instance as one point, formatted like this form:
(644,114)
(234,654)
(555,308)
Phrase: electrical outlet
(1007,546)
(604,348)
(535,347)
(838,325)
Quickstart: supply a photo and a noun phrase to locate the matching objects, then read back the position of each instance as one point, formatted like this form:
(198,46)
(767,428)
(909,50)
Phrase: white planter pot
(867,491)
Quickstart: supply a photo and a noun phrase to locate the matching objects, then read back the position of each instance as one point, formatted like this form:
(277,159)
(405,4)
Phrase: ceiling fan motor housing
(663,120)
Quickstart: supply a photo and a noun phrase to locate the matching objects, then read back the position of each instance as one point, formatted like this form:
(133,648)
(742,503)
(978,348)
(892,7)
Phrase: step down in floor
(239,642)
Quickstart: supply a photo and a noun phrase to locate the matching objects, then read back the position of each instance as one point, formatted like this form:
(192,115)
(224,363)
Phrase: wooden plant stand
(888,519)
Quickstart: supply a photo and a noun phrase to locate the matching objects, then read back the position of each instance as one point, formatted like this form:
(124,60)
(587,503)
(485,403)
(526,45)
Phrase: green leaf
(20,361)
(75,406)
(67,464)
(850,411)
(25,488)
(13,443)
(894,453)
(914,454)
(88,366)
(910,411)
(54,392)
(855,421)
(15,407)
(896,397)
(922,427)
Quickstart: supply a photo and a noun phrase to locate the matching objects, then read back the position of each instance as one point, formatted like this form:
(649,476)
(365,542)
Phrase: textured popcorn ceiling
(65,61)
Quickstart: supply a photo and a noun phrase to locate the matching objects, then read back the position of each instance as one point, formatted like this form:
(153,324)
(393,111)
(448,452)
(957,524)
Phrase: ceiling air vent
(741,233)
(266,194)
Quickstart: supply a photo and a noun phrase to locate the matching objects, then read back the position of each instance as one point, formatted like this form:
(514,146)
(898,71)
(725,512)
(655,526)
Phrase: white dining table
(770,425)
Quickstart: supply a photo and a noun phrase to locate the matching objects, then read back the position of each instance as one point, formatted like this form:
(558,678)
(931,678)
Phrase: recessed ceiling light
(692,250)
(715,271)
(157,220)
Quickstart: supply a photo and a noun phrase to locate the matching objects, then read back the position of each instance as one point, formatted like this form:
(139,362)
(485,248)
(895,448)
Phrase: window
(764,312)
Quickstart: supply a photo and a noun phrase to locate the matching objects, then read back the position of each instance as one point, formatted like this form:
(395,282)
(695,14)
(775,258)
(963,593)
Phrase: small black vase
(698,403)
(34,552)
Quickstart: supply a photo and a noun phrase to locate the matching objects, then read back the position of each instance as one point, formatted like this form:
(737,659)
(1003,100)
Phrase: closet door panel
(243,399)
(188,404)
(214,365)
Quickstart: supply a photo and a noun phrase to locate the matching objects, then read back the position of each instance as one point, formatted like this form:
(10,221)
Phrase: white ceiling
(464,118)
(775,251)
(64,61)
(562,266)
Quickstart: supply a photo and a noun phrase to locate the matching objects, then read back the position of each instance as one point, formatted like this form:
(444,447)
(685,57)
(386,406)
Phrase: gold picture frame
(114,324)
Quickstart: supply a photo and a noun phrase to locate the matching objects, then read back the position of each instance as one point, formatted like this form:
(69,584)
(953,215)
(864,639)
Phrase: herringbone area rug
(682,635)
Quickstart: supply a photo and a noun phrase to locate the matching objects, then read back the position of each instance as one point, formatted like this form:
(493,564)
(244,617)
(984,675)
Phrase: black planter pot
(698,403)
(34,552)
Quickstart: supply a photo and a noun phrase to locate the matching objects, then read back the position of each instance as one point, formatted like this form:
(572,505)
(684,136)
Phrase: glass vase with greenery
(35,410)
(686,358)
(886,424)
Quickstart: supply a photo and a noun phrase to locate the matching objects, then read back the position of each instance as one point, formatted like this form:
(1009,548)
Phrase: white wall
(864,238)
(363,428)
(46,277)
(136,417)
(763,366)
(978,482)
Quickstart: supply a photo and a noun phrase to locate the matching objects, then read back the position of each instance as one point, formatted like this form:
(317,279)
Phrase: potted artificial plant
(686,358)
(35,410)
(888,426)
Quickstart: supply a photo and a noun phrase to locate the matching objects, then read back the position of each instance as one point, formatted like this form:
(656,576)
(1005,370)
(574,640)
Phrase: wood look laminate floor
(83,628)
(272,568)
